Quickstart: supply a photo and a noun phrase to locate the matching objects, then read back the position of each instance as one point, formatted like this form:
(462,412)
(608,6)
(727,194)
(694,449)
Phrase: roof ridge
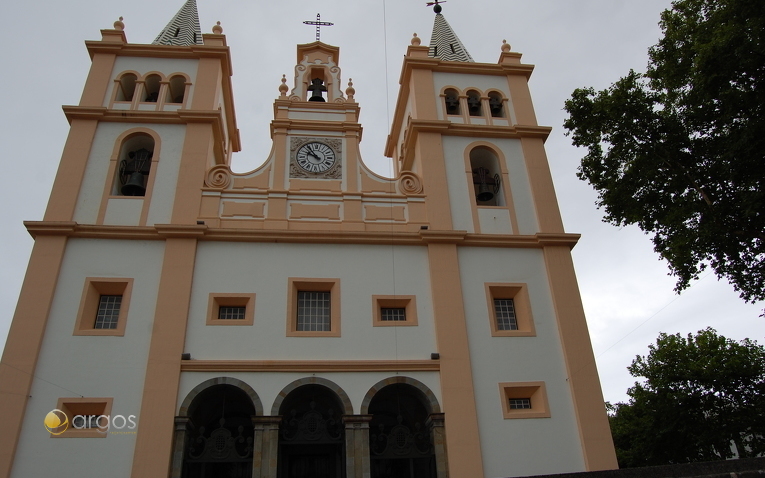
(445,44)
(183,29)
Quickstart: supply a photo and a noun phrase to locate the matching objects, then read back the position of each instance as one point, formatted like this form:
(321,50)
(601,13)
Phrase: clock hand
(313,154)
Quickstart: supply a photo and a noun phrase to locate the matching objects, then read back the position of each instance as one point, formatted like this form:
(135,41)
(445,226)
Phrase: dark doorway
(399,439)
(311,435)
(219,444)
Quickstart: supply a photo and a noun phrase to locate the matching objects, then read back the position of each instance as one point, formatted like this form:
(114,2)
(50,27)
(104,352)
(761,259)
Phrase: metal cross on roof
(318,24)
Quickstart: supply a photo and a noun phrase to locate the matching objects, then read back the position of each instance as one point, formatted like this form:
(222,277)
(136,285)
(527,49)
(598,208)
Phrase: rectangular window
(231,309)
(231,313)
(313,311)
(313,307)
(509,310)
(104,306)
(520,404)
(394,310)
(108,312)
(524,400)
(395,314)
(504,310)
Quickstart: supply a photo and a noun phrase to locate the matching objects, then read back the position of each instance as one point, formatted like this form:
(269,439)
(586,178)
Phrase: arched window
(126,87)
(151,88)
(177,89)
(474,103)
(496,105)
(487,177)
(452,100)
(134,166)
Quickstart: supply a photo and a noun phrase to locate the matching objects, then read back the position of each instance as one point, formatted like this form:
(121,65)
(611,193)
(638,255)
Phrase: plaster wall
(518,447)
(91,366)
(264,269)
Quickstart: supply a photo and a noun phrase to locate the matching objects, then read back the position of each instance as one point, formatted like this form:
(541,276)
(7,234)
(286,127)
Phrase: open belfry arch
(309,317)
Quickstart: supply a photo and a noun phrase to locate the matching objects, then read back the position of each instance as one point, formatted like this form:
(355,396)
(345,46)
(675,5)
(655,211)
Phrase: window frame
(301,284)
(407,302)
(217,300)
(523,316)
(83,406)
(94,288)
(536,392)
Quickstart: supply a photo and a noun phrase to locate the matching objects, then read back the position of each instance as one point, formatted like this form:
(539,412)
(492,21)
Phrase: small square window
(103,307)
(509,310)
(524,400)
(394,310)
(82,418)
(313,307)
(231,309)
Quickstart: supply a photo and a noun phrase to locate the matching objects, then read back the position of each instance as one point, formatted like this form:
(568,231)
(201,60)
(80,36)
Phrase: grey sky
(627,294)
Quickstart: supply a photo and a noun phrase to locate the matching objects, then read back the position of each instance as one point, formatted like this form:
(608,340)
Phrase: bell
(484,194)
(134,185)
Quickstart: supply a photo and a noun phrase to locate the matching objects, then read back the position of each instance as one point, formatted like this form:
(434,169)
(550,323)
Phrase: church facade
(309,318)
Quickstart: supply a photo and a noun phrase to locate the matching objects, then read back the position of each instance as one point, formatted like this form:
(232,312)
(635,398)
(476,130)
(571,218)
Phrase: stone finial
(416,40)
(505,46)
(283,88)
(350,91)
(217,29)
(118,25)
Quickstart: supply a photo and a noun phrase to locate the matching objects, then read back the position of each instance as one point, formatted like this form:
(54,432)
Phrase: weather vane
(437,3)
(318,24)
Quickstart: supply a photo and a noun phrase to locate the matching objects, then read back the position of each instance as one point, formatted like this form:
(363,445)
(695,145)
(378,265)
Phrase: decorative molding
(409,183)
(310,366)
(218,177)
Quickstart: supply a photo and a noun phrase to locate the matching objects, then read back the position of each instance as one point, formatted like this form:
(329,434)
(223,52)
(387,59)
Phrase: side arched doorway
(214,435)
(311,434)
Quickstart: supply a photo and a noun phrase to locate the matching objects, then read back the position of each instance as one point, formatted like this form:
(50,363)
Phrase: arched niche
(487,177)
(134,165)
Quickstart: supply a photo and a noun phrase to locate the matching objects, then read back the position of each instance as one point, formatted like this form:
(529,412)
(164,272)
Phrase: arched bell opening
(401,443)
(487,177)
(126,87)
(134,166)
(219,434)
(311,434)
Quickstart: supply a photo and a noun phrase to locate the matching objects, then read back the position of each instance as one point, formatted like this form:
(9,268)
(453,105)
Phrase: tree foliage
(701,394)
(680,150)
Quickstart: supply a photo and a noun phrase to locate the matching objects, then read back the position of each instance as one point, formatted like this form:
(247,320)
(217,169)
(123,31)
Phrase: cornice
(206,233)
(308,366)
(285,124)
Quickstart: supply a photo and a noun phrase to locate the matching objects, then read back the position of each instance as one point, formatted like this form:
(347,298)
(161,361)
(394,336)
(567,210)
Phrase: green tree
(701,394)
(680,149)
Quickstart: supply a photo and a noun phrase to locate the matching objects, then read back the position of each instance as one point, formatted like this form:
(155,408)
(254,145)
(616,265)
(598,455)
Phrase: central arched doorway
(400,443)
(220,439)
(311,434)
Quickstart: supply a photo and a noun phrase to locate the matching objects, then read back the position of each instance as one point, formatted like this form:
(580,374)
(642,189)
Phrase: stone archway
(312,433)
(214,430)
(406,430)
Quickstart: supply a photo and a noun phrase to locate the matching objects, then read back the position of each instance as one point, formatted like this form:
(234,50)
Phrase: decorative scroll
(218,177)
(409,183)
(312,427)
(220,446)
(401,442)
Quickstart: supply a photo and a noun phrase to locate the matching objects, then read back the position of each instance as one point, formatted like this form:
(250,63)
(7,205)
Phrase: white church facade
(309,318)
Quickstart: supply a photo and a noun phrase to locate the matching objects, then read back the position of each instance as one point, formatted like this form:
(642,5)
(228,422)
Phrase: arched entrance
(401,439)
(311,434)
(214,434)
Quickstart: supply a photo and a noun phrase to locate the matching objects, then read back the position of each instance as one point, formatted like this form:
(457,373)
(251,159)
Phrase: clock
(315,157)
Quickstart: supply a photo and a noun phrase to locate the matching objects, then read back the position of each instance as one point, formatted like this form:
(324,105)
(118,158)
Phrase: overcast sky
(627,294)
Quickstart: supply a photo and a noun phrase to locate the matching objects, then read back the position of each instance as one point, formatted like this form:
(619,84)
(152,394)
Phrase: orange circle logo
(56,422)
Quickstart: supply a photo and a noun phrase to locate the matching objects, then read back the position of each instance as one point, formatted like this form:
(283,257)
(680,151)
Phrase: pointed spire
(183,29)
(444,43)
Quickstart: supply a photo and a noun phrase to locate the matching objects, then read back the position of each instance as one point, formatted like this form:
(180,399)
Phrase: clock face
(315,157)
